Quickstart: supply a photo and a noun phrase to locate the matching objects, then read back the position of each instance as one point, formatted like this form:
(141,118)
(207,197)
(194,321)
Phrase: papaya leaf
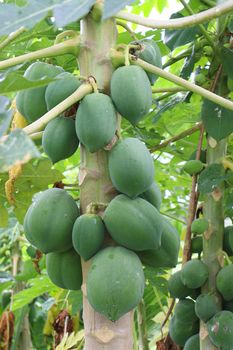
(113,6)
(226,60)
(217,120)
(75,299)
(211,178)
(16,148)
(37,286)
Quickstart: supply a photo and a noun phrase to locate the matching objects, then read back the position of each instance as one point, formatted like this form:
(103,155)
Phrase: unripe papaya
(185,311)
(59,138)
(59,90)
(193,167)
(180,332)
(131,167)
(220,330)
(206,307)
(133,223)
(31,102)
(153,195)
(96,121)
(194,274)
(49,221)
(223,282)
(31,251)
(88,235)
(199,226)
(167,254)
(64,269)
(149,52)
(176,287)
(197,245)
(193,343)
(131,92)
(115,282)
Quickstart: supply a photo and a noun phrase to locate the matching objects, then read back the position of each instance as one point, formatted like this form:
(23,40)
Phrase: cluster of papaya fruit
(194,306)
(140,234)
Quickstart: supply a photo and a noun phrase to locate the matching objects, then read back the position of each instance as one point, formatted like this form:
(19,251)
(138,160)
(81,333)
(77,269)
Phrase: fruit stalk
(96,40)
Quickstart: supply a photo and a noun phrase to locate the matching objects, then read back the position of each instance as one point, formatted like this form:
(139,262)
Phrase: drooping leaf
(210,178)
(16,148)
(111,7)
(217,120)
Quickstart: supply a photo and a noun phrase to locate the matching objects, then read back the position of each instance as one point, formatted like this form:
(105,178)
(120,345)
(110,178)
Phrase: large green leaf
(16,148)
(111,7)
(210,178)
(218,120)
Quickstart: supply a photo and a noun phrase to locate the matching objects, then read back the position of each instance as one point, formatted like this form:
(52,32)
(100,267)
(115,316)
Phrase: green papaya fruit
(222,282)
(96,121)
(6,298)
(59,90)
(131,167)
(228,240)
(193,167)
(64,269)
(31,251)
(59,139)
(31,102)
(202,156)
(199,226)
(197,245)
(185,311)
(88,235)
(133,223)
(180,332)
(149,52)
(193,343)
(167,254)
(176,287)
(115,282)
(153,195)
(131,92)
(206,307)
(49,221)
(194,274)
(220,330)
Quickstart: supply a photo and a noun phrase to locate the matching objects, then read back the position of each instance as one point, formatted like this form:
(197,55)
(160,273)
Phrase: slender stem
(202,28)
(66,47)
(142,328)
(184,83)
(173,217)
(188,21)
(168,313)
(167,89)
(127,28)
(40,124)
(36,135)
(177,137)
(12,36)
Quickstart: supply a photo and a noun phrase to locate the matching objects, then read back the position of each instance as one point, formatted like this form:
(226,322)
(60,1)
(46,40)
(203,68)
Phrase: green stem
(12,37)
(127,28)
(167,89)
(40,124)
(188,21)
(202,28)
(36,135)
(142,328)
(66,47)
(173,217)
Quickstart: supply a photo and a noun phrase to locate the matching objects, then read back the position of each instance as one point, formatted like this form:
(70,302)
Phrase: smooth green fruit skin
(194,274)
(185,311)
(180,332)
(193,167)
(131,167)
(31,102)
(206,307)
(176,287)
(115,282)
(96,121)
(31,251)
(199,226)
(133,223)
(220,330)
(153,195)
(59,90)
(49,221)
(193,343)
(149,53)
(59,139)
(228,240)
(88,235)
(223,282)
(197,245)
(131,92)
(167,254)
(64,269)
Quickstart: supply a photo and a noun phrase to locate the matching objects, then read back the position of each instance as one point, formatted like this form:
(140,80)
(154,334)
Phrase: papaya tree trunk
(95,186)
